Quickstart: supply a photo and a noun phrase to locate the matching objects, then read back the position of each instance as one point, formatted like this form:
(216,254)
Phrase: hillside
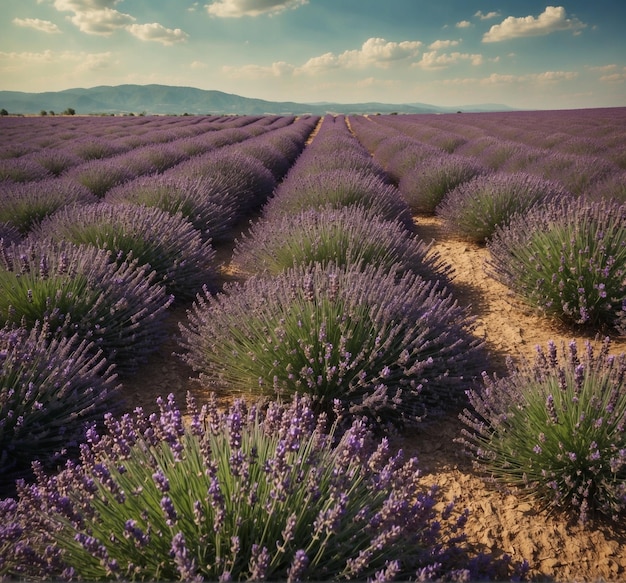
(164,99)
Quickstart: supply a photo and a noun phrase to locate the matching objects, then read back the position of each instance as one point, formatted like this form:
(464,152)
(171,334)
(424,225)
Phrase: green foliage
(248,494)
(474,209)
(344,236)
(389,350)
(567,258)
(556,430)
(424,186)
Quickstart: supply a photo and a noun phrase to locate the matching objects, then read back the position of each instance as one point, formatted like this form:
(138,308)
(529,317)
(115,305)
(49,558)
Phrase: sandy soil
(500,522)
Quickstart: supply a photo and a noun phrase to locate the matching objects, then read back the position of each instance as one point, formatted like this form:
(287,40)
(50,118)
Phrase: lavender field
(213,324)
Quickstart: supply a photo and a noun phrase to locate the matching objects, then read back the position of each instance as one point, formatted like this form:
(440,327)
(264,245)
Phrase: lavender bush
(475,208)
(25,205)
(567,258)
(388,347)
(345,236)
(556,429)
(424,186)
(56,160)
(208,203)
(577,173)
(269,155)
(21,170)
(79,289)
(336,189)
(166,244)
(99,176)
(247,494)
(613,187)
(50,391)
(250,183)
(94,148)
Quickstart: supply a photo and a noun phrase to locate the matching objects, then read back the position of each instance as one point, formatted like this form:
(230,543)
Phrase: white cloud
(80,61)
(380,53)
(157,33)
(278,69)
(443,44)
(545,77)
(463,24)
(618,77)
(95,16)
(99,17)
(604,68)
(433,60)
(198,65)
(37,24)
(83,5)
(239,8)
(375,52)
(552,19)
(480,14)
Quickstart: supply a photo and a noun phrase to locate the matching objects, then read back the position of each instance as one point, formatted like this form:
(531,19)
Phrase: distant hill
(165,99)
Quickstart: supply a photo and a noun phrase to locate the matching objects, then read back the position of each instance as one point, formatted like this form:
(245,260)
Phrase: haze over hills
(165,99)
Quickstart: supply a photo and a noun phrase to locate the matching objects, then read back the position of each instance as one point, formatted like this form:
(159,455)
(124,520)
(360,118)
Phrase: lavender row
(252,493)
(22,136)
(584,165)
(424,172)
(218,189)
(333,333)
(152,152)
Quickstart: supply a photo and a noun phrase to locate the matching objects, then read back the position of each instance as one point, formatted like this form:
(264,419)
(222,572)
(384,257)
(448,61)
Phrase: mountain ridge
(156,99)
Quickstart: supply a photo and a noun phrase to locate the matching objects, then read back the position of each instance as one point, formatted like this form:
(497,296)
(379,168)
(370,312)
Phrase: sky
(527,55)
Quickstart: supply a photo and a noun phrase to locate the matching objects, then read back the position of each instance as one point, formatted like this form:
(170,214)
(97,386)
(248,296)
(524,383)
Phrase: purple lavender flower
(166,244)
(566,258)
(345,236)
(387,350)
(78,289)
(358,517)
(576,408)
(50,390)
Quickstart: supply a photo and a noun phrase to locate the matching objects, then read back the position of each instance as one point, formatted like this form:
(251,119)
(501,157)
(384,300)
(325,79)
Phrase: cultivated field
(470,239)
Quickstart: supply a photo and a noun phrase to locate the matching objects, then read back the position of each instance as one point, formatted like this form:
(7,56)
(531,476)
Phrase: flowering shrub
(424,186)
(21,170)
(388,350)
(566,258)
(556,429)
(345,236)
(152,159)
(164,243)
(577,173)
(475,208)
(270,156)
(250,183)
(24,205)
(246,494)
(613,187)
(405,160)
(336,189)
(79,289)
(50,391)
(99,176)
(93,148)
(56,160)
(207,203)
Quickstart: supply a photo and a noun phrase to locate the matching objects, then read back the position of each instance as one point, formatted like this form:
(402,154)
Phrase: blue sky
(444,52)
